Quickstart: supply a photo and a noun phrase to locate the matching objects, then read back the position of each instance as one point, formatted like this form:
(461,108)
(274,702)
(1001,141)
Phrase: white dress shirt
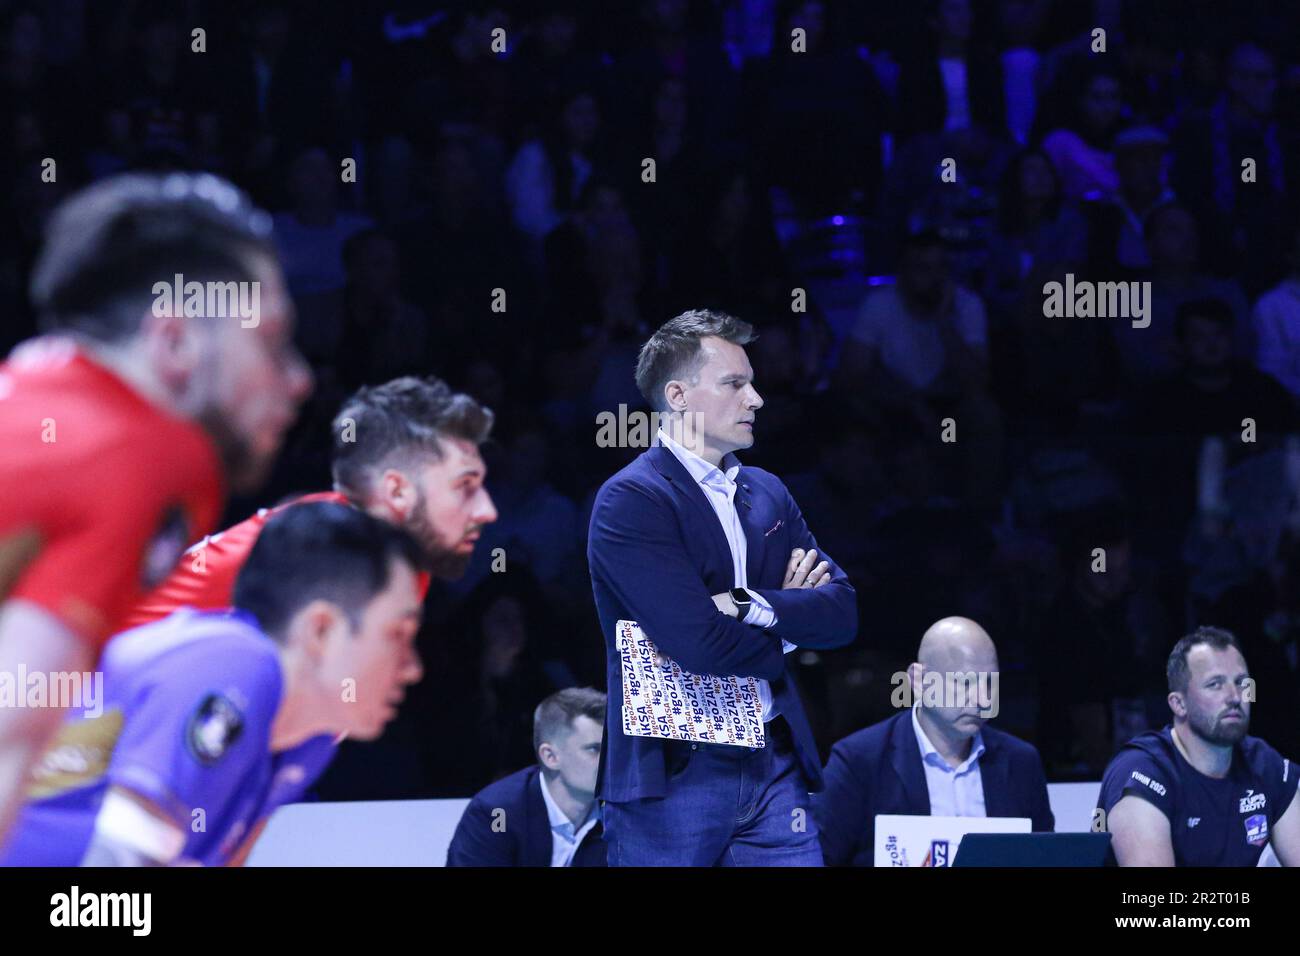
(719,488)
(954,791)
(565,837)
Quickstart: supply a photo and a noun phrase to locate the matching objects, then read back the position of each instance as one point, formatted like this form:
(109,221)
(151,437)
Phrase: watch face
(741,597)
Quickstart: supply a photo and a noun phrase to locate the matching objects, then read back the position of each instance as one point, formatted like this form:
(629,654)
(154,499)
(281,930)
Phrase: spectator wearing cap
(1116,222)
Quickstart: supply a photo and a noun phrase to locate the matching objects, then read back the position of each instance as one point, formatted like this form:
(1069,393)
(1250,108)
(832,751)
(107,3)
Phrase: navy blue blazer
(658,554)
(522,835)
(879,770)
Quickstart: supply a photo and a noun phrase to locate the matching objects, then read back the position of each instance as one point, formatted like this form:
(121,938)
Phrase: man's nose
(755,399)
(487,511)
(301,378)
(412,668)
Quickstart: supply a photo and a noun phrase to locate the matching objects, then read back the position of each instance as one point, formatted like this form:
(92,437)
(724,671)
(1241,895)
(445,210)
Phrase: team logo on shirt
(164,548)
(1252,801)
(213,728)
(1257,830)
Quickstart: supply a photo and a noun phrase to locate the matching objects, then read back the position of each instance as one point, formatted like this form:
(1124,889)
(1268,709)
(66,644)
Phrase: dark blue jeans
(725,806)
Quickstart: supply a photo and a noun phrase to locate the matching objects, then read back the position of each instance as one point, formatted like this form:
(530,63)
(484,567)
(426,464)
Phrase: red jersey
(100,490)
(205,576)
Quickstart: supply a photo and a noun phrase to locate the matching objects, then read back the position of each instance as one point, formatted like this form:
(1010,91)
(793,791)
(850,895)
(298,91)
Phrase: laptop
(1033,849)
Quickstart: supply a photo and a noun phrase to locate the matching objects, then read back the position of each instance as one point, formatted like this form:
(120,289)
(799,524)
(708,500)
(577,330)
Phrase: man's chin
(247,474)
(245,470)
(450,565)
(1231,731)
(1224,733)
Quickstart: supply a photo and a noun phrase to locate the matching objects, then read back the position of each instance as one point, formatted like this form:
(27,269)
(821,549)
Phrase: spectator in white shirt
(546,176)
(920,348)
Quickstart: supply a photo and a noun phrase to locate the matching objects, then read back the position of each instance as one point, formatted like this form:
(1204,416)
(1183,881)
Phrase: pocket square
(779,522)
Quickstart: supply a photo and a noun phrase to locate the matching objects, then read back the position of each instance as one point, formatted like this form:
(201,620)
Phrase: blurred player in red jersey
(406,452)
(118,426)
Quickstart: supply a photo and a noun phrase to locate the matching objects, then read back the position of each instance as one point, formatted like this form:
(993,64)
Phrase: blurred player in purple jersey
(208,721)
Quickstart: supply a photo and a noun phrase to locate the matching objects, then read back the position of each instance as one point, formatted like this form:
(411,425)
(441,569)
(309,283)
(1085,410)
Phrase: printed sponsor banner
(662,700)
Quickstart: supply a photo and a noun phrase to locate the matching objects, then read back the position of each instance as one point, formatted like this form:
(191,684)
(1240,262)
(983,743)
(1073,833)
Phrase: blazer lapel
(688,490)
(905,757)
(994,780)
(539,840)
(750,512)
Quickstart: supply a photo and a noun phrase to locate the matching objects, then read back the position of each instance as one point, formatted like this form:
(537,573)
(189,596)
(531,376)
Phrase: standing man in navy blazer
(716,564)
(937,757)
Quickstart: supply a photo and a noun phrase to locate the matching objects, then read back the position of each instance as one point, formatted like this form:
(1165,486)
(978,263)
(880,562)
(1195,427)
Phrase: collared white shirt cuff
(760,613)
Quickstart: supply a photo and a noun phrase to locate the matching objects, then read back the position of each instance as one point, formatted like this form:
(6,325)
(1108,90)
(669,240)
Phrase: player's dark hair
(1177,671)
(319,550)
(674,352)
(107,245)
(555,715)
(388,425)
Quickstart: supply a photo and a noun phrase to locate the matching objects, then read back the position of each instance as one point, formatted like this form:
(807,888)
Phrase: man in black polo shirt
(1201,792)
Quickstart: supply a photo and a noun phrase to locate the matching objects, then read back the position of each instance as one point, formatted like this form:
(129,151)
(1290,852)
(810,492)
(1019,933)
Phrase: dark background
(775,170)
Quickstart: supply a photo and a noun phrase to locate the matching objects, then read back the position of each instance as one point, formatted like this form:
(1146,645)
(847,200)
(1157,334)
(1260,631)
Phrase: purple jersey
(184,721)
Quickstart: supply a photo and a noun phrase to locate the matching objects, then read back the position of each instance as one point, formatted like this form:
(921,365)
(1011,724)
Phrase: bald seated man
(937,756)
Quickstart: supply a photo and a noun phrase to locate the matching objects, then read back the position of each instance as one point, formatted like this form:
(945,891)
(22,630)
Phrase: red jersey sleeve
(113,540)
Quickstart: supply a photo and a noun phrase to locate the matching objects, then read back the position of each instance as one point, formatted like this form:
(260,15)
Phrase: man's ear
(547,756)
(172,349)
(1177,703)
(915,671)
(675,395)
(396,493)
(310,630)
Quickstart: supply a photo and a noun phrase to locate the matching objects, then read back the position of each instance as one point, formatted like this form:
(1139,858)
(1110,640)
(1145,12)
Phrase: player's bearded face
(451,508)
(252,381)
(1219,722)
(1218,710)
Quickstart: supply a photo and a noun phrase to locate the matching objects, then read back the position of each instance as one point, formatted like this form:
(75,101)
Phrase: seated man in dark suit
(546,814)
(937,757)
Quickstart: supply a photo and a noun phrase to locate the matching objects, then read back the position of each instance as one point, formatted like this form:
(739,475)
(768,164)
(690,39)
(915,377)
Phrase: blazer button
(695,746)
